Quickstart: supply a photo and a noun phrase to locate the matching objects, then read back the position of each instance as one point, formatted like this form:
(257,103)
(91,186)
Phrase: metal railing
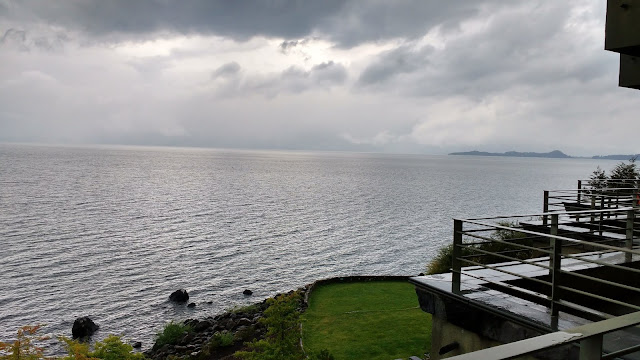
(608,183)
(587,272)
(552,253)
(589,337)
(589,199)
(595,186)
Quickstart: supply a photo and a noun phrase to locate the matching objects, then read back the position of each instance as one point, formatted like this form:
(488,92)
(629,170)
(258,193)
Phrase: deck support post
(591,348)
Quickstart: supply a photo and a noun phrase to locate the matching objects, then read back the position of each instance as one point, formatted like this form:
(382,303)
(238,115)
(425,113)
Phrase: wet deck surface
(475,282)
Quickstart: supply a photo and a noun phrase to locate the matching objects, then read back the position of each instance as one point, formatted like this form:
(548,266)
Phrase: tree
(598,179)
(23,348)
(625,175)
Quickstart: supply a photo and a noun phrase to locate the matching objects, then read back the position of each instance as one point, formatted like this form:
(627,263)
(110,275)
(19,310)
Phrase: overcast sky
(390,76)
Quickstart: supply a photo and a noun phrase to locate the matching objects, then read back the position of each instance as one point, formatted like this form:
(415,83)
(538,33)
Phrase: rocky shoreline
(242,323)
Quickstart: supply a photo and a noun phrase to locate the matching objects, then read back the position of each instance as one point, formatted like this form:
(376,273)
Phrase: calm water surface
(110,232)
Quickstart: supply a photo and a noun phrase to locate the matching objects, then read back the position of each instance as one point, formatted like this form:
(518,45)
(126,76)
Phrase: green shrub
(221,339)
(441,263)
(24,348)
(111,348)
(171,334)
(282,340)
(218,340)
(76,350)
(245,334)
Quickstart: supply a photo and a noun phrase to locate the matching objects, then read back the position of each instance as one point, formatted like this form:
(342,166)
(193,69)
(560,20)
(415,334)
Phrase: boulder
(202,326)
(179,296)
(83,327)
(191,305)
(247,292)
(136,345)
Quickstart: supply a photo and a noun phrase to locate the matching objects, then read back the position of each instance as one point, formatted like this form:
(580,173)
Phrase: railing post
(579,191)
(555,258)
(601,214)
(593,207)
(545,207)
(456,263)
(591,348)
(629,238)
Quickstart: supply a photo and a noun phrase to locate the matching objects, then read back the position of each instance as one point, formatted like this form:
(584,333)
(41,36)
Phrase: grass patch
(366,320)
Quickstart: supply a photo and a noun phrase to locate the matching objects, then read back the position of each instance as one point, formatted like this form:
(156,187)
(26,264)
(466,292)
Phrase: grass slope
(366,320)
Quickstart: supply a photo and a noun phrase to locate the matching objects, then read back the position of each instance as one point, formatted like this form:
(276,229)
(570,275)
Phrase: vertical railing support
(556,256)
(601,214)
(629,238)
(593,207)
(545,207)
(579,191)
(456,263)
(591,348)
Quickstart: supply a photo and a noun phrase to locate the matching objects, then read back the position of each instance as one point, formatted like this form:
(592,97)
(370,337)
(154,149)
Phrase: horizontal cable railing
(589,338)
(590,199)
(494,250)
(602,183)
(580,256)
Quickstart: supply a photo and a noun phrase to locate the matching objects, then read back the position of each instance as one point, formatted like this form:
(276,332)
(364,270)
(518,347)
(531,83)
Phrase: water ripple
(110,232)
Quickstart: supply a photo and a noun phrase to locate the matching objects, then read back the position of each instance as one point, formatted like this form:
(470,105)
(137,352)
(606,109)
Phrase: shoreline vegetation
(555,154)
(268,329)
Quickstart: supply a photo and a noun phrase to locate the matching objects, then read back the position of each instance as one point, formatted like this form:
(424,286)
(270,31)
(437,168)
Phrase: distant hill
(556,154)
(616,157)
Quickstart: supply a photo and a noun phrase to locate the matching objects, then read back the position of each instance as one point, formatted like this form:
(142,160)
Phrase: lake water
(110,232)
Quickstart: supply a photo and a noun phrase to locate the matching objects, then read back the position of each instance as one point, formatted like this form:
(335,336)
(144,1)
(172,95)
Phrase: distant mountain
(616,157)
(557,154)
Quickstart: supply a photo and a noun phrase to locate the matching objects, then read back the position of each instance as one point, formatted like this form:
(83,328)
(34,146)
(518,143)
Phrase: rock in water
(248,292)
(83,327)
(179,296)
(191,305)
(136,345)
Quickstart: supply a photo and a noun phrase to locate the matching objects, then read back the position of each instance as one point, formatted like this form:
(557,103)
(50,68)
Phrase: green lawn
(366,320)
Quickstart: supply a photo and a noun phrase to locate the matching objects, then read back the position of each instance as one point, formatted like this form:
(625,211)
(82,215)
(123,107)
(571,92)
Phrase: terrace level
(521,277)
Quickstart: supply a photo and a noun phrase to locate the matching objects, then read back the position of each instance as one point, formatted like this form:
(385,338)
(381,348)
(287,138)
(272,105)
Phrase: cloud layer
(402,76)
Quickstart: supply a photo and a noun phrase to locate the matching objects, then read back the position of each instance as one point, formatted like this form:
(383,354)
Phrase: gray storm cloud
(348,22)
(408,75)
